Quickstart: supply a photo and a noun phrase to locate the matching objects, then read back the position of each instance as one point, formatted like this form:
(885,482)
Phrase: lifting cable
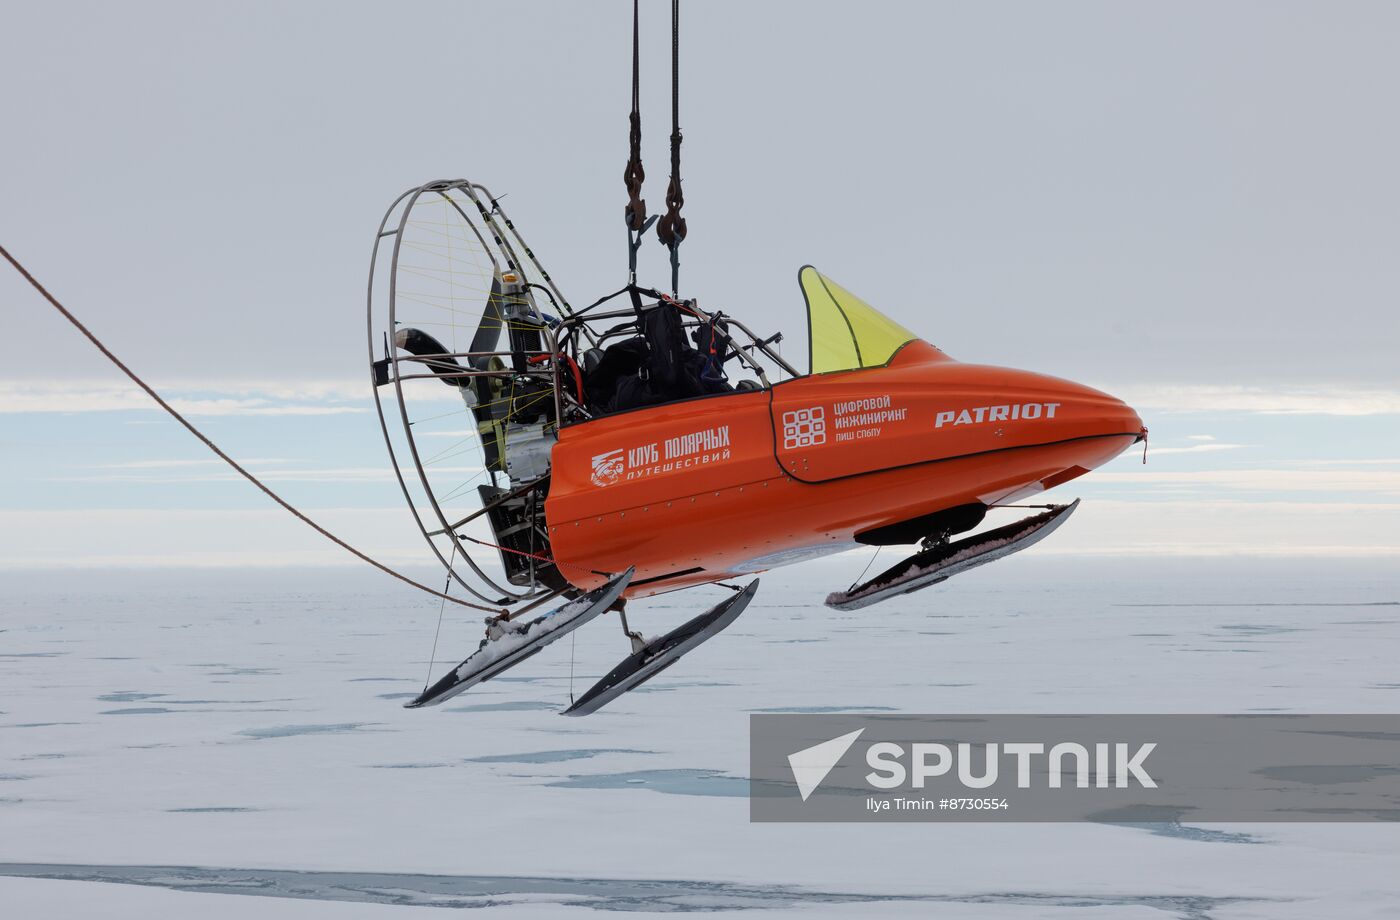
(634,175)
(671,229)
(358,554)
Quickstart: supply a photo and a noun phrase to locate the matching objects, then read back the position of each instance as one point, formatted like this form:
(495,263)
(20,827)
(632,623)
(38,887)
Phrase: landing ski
(507,644)
(943,562)
(662,652)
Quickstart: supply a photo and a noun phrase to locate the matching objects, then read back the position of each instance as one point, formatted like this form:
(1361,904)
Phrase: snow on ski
(516,642)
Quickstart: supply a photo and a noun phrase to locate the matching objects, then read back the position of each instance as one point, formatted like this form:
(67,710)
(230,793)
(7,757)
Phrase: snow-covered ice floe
(274,748)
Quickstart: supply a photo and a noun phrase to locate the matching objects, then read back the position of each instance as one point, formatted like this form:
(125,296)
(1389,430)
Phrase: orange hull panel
(708,489)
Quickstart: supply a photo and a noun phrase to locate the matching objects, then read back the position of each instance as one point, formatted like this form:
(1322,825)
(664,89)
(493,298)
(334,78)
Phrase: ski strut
(660,653)
(944,561)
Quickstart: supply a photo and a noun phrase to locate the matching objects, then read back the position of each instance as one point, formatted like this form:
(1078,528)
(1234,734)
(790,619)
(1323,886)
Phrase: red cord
(578,378)
(537,556)
(573,365)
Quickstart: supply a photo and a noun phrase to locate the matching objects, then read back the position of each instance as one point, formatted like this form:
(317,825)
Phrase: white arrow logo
(811,765)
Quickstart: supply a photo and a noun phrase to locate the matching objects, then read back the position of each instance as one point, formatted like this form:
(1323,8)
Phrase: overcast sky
(1194,205)
(1199,192)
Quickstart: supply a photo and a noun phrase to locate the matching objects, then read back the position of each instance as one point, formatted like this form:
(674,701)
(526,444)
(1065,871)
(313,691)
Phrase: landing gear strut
(637,639)
(938,559)
(651,658)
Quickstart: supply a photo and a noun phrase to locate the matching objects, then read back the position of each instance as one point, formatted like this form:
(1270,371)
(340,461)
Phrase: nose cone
(1078,410)
(999,408)
(1088,412)
(1002,425)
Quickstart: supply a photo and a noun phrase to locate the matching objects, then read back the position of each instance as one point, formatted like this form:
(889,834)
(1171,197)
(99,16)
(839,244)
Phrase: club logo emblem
(608,468)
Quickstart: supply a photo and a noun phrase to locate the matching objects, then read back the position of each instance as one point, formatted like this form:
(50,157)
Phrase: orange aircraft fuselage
(707,489)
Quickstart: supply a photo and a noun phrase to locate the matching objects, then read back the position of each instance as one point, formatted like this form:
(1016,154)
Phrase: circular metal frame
(435,521)
(499,240)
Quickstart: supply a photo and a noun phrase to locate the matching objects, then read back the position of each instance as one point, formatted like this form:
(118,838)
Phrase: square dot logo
(804,428)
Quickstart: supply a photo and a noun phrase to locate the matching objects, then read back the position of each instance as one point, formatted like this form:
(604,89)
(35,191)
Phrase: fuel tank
(708,489)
